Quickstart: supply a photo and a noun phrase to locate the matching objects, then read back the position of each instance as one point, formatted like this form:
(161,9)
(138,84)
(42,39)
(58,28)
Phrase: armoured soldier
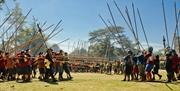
(66,66)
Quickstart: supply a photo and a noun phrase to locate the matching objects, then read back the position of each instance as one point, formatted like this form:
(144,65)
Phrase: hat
(150,49)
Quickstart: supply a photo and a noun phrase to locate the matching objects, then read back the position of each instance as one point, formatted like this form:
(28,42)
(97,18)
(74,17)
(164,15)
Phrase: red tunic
(175,61)
(2,62)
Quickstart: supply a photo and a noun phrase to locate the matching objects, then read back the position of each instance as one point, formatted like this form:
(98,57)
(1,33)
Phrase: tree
(17,19)
(105,43)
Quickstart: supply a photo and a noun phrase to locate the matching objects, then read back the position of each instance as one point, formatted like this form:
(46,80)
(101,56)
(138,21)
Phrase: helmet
(173,51)
(22,51)
(40,53)
(130,52)
(150,49)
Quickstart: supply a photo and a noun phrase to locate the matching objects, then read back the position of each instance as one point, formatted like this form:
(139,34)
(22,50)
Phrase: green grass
(92,82)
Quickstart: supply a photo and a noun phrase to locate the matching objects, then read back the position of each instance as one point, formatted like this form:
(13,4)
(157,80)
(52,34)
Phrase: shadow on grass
(160,81)
(1,81)
(21,81)
(57,82)
(52,82)
(66,79)
(168,87)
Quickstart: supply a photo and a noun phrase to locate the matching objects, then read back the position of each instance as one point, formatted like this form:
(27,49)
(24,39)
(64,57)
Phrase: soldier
(41,65)
(109,68)
(168,66)
(102,67)
(115,68)
(156,67)
(56,63)
(175,61)
(149,58)
(60,59)
(49,66)
(66,66)
(141,65)
(22,66)
(28,65)
(128,66)
(135,71)
(2,66)
(9,67)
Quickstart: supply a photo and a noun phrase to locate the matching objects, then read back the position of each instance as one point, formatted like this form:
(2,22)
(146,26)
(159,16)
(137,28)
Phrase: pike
(34,37)
(44,24)
(56,33)
(131,28)
(130,22)
(48,27)
(135,24)
(18,27)
(165,23)
(73,47)
(3,42)
(177,22)
(6,19)
(40,31)
(164,42)
(10,26)
(55,28)
(111,32)
(112,17)
(133,31)
(143,27)
(48,35)
(63,41)
(176,29)
(78,46)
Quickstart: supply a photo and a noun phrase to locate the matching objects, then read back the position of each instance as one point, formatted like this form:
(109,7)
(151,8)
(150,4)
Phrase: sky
(79,17)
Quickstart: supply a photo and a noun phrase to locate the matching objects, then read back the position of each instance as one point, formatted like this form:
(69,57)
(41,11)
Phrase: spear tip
(39,29)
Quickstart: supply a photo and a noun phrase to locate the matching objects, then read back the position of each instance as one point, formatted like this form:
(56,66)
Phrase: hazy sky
(81,16)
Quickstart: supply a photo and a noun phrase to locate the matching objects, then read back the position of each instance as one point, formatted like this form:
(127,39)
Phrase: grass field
(92,82)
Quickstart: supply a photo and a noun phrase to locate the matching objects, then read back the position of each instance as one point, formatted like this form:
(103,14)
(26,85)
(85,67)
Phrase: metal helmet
(129,52)
(150,49)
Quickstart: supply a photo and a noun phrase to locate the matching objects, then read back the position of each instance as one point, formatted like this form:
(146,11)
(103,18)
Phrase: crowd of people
(143,66)
(147,65)
(23,67)
(51,65)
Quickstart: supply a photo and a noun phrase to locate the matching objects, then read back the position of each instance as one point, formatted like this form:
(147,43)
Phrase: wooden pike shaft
(112,17)
(131,28)
(112,33)
(143,27)
(135,24)
(40,31)
(130,22)
(18,27)
(6,19)
(165,23)
(48,27)
(176,29)
(56,33)
(24,45)
(133,31)
(10,26)
(63,41)
(41,45)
